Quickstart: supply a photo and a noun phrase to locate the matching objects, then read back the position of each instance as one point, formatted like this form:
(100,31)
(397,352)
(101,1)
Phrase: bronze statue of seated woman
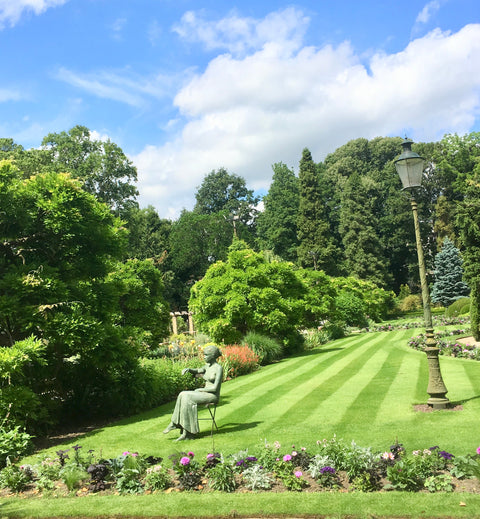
(185,414)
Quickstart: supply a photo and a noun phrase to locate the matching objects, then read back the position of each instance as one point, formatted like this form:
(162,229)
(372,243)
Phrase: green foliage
(222,477)
(356,298)
(267,349)
(157,478)
(449,285)
(246,293)
(277,224)
(411,303)
(459,307)
(316,247)
(404,476)
(439,483)
(14,443)
(72,475)
(61,283)
(15,478)
(364,257)
(257,478)
(102,167)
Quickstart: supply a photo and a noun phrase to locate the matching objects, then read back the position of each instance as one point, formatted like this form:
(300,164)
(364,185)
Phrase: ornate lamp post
(409,167)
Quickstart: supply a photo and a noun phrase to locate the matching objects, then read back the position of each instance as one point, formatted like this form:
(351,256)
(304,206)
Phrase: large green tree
(364,255)
(247,293)
(59,249)
(226,192)
(277,224)
(316,247)
(101,165)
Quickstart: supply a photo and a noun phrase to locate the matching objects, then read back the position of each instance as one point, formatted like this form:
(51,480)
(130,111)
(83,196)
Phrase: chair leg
(212,415)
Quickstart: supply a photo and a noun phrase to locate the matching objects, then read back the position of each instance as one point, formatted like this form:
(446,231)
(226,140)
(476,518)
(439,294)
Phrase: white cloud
(426,13)
(246,113)
(12,10)
(123,86)
(9,95)
(238,35)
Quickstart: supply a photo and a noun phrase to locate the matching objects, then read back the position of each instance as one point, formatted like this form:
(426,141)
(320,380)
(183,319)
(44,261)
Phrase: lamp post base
(436,387)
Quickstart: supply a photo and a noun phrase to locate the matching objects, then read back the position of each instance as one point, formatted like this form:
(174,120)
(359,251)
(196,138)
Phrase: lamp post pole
(410,168)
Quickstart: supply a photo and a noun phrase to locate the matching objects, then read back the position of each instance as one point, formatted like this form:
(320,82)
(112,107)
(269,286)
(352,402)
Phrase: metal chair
(212,409)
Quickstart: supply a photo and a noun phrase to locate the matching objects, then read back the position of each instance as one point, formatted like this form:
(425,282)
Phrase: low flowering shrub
(238,360)
(338,465)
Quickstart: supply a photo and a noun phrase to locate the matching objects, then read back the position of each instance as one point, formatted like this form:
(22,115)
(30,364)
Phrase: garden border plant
(332,465)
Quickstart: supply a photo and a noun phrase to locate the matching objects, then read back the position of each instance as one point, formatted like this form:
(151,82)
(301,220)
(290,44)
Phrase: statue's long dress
(185,414)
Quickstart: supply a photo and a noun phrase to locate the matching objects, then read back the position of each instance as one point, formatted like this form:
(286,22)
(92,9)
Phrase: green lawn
(360,388)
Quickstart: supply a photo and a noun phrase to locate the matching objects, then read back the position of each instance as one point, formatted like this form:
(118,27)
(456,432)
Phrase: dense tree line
(87,277)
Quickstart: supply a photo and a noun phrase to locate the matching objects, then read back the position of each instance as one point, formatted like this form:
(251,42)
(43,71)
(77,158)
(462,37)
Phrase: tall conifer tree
(277,225)
(364,256)
(316,247)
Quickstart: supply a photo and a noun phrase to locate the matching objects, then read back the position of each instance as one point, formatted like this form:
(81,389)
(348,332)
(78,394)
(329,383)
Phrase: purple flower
(327,470)
(445,455)
(184,460)
(251,458)
(287,457)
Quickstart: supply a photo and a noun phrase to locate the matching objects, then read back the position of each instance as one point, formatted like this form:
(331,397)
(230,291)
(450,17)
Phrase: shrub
(267,348)
(350,309)
(14,443)
(459,307)
(222,477)
(15,478)
(256,477)
(238,360)
(72,475)
(157,478)
(411,303)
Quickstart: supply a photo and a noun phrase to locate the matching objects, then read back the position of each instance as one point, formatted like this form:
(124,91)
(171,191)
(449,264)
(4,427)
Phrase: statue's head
(213,350)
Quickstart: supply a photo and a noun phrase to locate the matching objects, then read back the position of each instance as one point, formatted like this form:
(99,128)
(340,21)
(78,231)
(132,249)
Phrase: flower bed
(332,466)
(450,348)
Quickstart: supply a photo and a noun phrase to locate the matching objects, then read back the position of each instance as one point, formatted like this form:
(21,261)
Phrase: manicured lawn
(360,388)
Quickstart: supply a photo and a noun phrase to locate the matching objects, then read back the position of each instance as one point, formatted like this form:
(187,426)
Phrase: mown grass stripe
(301,402)
(401,394)
(254,404)
(376,389)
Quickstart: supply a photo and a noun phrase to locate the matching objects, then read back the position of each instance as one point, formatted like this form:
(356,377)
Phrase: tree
(364,255)
(62,284)
(247,293)
(316,246)
(468,223)
(277,224)
(102,166)
(449,285)
(196,241)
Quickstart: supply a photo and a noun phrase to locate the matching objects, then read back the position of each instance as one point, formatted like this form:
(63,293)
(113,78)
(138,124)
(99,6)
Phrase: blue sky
(185,87)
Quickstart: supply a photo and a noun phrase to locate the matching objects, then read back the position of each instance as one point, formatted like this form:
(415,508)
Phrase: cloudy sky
(186,87)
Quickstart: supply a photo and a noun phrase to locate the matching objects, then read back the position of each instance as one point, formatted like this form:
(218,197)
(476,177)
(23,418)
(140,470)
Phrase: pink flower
(126,453)
(287,457)
(298,474)
(184,460)
(210,456)
(294,453)
(191,455)
(478,450)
